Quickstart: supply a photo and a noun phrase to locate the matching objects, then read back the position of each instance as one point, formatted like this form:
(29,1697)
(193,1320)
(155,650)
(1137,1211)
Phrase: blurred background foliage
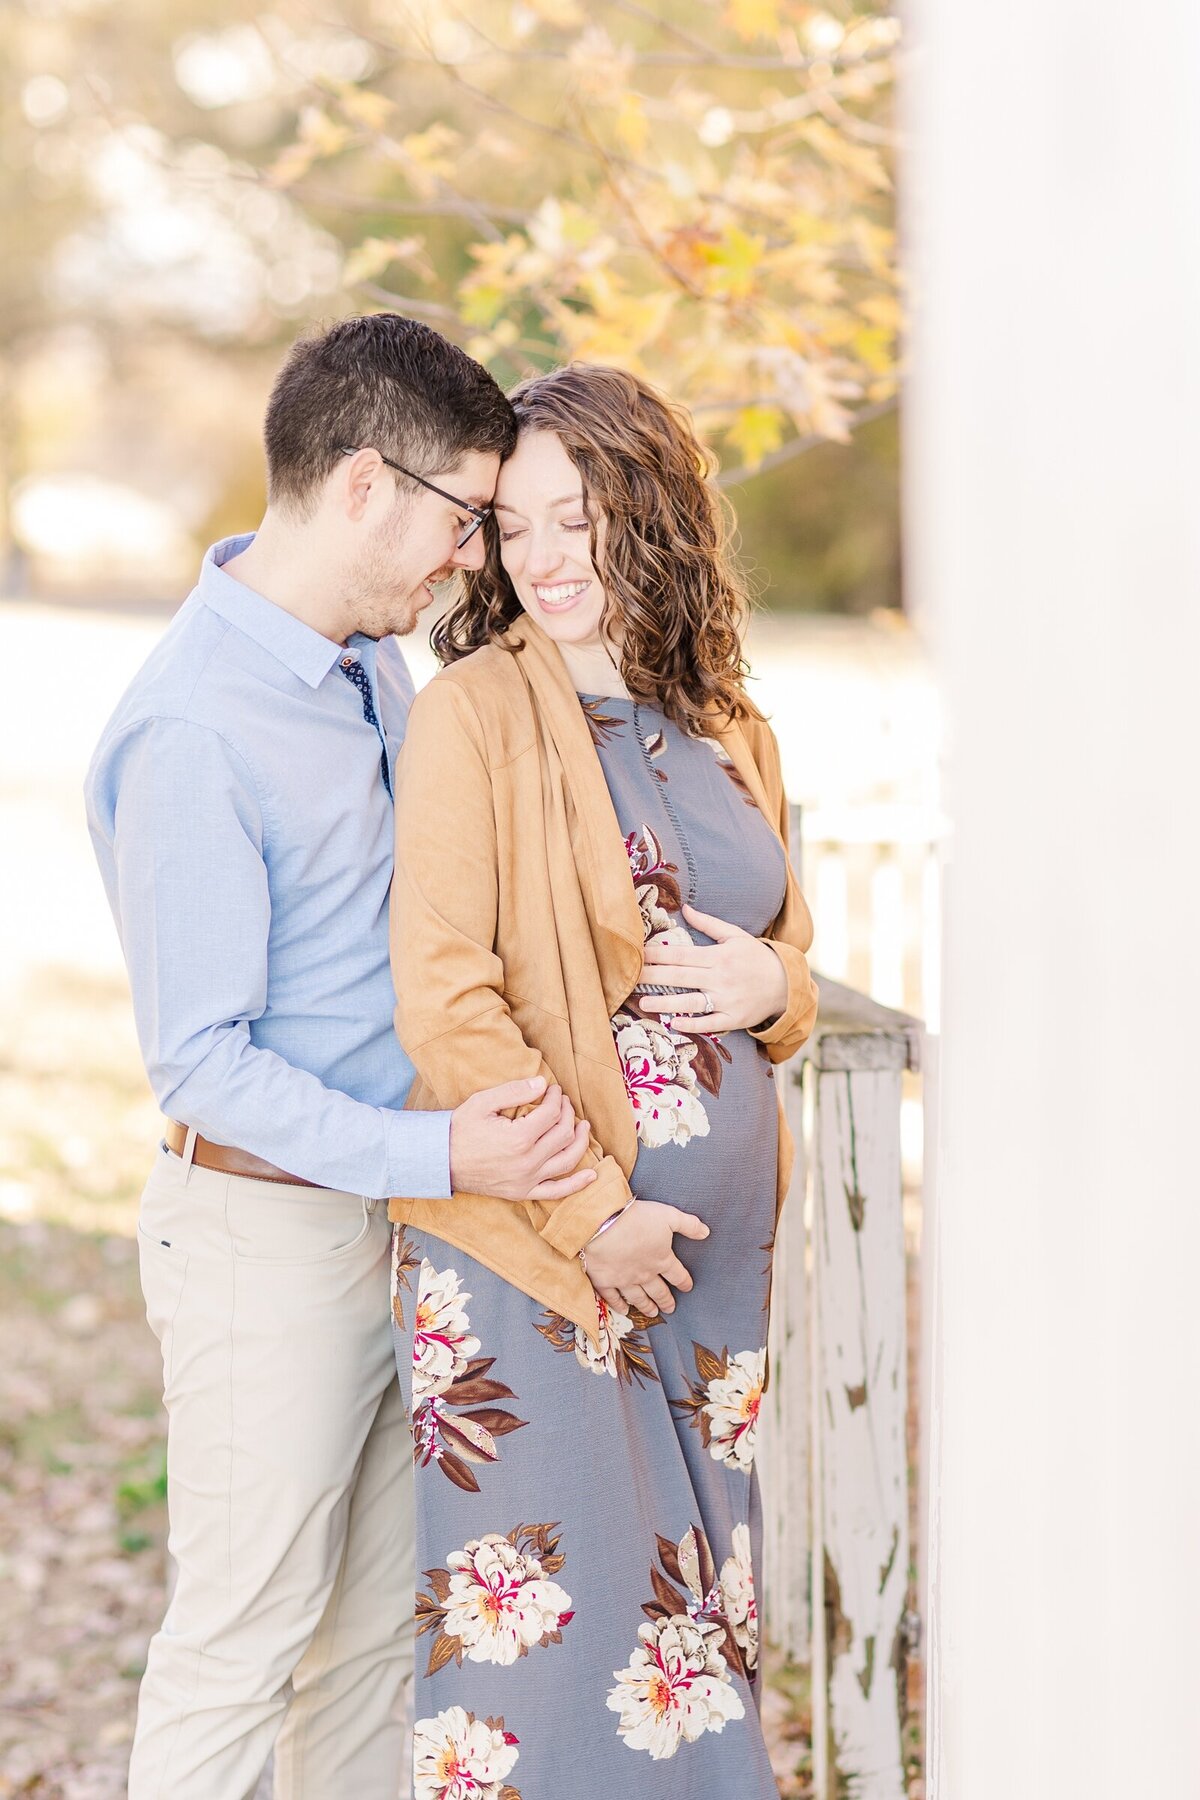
(698,189)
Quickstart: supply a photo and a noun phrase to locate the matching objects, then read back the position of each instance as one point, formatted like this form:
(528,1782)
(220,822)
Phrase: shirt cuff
(418,1153)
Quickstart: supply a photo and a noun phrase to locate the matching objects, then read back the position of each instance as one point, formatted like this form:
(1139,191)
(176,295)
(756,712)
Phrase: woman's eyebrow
(563,500)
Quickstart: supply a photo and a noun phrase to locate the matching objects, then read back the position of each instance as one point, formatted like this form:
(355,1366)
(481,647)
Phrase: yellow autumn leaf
(374,254)
(734,262)
(563,13)
(755,432)
(434,150)
(324,134)
(631,126)
(882,310)
(858,160)
(292,164)
(480,302)
(318,135)
(873,346)
(619,327)
(754,18)
(367,107)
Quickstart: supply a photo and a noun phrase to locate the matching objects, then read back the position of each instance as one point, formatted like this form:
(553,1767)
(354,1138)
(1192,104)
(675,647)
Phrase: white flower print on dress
(679,1683)
(725,1402)
(660,1081)
(459,1757)
(676,1688)
(733,1407)
(494,1601)
(447,1377)
(737,1593)
(442,1341)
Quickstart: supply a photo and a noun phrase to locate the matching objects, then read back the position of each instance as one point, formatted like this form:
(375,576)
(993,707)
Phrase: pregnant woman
(593,892)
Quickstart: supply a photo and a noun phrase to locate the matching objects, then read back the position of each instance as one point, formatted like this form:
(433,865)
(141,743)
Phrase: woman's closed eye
(506,537)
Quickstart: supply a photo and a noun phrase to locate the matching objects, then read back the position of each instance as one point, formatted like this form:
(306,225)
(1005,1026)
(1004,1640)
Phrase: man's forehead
(476,475)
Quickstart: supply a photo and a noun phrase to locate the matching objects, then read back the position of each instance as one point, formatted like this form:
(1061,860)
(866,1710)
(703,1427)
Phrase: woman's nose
(545,560)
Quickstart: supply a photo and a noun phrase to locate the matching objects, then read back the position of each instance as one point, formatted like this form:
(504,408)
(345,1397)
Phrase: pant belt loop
(189,1150)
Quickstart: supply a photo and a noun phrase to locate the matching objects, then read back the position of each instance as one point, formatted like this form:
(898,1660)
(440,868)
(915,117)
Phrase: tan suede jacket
(516,935)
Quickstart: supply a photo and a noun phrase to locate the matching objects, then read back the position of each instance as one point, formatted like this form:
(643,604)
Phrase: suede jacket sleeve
(451,1014)
(792,933)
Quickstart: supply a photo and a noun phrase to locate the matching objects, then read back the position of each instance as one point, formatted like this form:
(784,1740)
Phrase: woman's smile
(560,596)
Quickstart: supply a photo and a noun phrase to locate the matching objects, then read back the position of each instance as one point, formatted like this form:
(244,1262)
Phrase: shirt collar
(293,643)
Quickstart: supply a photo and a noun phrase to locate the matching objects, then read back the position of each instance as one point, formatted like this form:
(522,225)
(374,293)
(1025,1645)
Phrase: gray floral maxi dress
(587,1522)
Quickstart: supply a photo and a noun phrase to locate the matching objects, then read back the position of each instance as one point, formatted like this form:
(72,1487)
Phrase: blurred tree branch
(701,195)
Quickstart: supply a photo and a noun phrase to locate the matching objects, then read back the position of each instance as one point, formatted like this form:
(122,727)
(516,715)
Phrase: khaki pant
(289,1490)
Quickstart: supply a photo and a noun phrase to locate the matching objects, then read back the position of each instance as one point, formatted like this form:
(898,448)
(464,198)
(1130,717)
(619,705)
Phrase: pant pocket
(287,1227)
(163,1267)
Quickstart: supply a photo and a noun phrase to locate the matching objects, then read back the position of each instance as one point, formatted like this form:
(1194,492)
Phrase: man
(240,805)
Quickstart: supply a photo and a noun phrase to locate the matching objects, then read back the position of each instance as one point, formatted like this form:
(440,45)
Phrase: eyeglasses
(478,513)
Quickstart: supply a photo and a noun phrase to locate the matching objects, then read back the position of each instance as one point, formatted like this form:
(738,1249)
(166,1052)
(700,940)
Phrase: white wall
(1053,213)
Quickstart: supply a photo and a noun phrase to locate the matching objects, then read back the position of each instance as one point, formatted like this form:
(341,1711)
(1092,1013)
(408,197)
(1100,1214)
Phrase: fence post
(782,1456)
(860,1552)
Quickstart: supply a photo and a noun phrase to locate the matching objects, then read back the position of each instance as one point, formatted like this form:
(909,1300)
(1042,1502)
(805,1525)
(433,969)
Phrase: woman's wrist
(607,1225)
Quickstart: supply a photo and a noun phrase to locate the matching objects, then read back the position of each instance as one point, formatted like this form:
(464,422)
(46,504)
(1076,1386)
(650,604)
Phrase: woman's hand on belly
(737,980)
(631,1263)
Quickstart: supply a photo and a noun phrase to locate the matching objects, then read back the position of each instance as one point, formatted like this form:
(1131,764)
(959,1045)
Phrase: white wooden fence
(833,1457)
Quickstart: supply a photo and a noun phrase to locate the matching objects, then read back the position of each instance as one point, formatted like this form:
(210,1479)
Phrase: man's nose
(472,554)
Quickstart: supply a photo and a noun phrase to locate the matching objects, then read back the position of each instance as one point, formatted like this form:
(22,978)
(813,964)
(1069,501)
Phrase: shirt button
(347,662)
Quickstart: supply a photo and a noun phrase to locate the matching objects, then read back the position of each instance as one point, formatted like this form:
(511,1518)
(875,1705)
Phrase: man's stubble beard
(372,600)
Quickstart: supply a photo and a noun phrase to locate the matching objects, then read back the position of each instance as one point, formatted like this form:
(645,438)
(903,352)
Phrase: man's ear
(354,479)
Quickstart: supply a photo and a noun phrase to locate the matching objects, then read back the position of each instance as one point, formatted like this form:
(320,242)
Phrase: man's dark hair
(381,381)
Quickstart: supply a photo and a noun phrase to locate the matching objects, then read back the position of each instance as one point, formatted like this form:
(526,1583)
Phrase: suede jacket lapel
(601,861)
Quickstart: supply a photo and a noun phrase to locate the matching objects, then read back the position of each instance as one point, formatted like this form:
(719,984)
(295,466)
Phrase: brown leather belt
(226,1160)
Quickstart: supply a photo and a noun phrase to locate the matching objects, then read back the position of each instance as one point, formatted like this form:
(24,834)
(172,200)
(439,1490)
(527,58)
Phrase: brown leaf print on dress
(655,746)
(710,1055)
(654,879)
(447,1374)
(624,1351)
(603,726)
(405,1258)
(730,767)
(690,1564)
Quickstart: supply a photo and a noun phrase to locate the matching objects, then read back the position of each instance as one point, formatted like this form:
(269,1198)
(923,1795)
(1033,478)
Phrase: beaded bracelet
(632,1201)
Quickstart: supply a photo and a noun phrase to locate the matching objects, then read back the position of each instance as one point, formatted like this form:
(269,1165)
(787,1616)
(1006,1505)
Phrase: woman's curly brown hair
(671,582)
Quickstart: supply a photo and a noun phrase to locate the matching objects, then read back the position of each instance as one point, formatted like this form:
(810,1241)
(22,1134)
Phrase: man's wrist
(419,1155)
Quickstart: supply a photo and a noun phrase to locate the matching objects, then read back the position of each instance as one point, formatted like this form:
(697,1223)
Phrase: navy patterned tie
(353,670)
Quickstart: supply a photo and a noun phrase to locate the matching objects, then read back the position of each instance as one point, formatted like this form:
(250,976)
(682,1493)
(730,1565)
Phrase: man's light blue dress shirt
(245,838)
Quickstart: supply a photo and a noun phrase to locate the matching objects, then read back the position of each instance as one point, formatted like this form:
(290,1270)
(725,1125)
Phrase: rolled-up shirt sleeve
(192,902)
